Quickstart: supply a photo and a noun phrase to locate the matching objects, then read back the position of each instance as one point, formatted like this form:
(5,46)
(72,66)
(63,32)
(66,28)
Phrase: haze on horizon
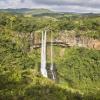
(79,6)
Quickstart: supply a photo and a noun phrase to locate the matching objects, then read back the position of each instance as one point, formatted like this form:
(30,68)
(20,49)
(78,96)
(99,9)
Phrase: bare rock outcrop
(71,39)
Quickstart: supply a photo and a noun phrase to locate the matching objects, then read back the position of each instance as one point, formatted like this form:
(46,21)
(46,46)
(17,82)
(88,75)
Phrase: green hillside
(26,11)
(77,69)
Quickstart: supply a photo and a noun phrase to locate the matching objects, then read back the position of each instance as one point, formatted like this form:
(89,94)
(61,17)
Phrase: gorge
(58,63)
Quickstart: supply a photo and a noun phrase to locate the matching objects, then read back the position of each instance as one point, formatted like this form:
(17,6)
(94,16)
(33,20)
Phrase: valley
(49,56)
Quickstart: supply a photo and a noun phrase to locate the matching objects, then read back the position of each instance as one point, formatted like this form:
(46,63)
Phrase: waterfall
(43,55)
(52,65)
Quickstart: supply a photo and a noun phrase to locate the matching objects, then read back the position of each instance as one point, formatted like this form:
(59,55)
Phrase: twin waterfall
(43,56)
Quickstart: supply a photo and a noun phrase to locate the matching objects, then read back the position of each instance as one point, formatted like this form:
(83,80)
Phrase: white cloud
(58,5)
(79,9)
(16,4)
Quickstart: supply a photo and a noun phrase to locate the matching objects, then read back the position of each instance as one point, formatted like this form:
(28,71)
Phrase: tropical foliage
(77,69)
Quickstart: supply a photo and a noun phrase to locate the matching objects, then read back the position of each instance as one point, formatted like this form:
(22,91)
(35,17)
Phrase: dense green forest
(77,69)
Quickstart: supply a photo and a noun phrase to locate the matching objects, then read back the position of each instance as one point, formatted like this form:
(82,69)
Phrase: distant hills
(43,12)
(27,11)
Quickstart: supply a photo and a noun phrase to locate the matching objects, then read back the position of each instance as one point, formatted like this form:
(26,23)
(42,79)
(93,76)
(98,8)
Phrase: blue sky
(57,5)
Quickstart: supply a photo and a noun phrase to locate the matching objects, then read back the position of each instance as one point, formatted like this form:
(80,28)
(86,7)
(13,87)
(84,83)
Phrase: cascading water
(43,55)
(52,66)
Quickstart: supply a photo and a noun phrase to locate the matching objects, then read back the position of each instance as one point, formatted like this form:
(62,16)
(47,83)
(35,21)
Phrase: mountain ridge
(27,11)
(40,11)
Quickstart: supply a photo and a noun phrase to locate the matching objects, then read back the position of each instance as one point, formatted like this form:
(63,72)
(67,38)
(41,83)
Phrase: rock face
(97,44)
(80,41)
(66,39)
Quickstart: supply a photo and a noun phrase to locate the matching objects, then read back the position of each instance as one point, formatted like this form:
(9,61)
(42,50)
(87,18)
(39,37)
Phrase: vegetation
(77,69)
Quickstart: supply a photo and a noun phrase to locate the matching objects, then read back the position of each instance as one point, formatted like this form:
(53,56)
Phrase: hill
(76,69)
(27,11)
(46,12)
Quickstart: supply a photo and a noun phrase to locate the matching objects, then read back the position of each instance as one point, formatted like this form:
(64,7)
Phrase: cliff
(66,39)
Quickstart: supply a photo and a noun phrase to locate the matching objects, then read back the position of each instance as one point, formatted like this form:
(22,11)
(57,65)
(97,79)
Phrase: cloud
(84,3)
(58,5)
(79,9)
(20,4)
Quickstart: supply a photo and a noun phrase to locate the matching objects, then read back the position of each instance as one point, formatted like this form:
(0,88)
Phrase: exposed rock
(62,52)
(69,38)
(97,44)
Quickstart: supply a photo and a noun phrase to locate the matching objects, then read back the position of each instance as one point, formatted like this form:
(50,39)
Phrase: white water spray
(43,55)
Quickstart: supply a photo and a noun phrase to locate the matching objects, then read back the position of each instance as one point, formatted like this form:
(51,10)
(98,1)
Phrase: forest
(77,69)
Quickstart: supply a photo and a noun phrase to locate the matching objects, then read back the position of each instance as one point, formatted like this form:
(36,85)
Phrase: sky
(83,6)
